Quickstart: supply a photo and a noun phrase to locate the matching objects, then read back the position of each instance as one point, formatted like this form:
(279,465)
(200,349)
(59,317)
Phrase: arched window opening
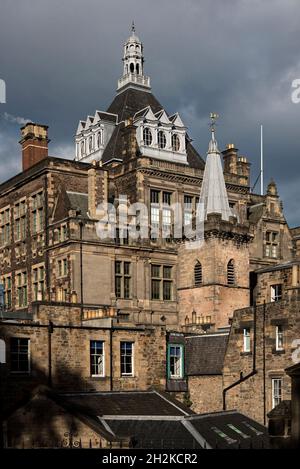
(99,139)
(131,67)
(162,141)
(198,274)
(91,143)
(230,273)
(137,68)
(175,142)
(82,148)
(147,136)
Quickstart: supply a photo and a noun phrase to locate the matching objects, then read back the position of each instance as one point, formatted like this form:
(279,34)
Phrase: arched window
(147,136)
(99,139)
(230,273)
(82,148)
(198,274)
(162,141)
(91,143)
(175,142)
(131,68)
(137,68)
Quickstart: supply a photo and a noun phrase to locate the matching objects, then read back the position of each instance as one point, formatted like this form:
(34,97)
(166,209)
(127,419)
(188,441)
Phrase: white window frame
(102,375)
(274,292)
(180,363)
(132,359)
(276,393)
(247,340)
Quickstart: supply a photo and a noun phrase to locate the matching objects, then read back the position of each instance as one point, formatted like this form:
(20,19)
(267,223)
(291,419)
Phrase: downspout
(81,268)
(252,373)
(50,332)
(47,238)
(111,357)
(264,361)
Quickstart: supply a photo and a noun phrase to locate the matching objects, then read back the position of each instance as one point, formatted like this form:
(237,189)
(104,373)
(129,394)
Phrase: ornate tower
(133,64)
(214,275)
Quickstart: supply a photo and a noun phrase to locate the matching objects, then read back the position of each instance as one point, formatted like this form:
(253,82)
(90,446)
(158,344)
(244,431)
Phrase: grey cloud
(237,57)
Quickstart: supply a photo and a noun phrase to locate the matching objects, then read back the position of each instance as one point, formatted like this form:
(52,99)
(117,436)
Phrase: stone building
(111,312)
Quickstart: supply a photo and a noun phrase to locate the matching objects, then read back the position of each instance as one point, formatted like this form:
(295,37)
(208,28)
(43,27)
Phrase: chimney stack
(34,143)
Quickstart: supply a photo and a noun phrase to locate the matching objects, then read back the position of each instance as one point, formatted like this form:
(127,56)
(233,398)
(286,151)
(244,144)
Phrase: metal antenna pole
(261,161)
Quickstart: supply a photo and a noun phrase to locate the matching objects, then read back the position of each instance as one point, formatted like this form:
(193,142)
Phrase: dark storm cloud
(61,60)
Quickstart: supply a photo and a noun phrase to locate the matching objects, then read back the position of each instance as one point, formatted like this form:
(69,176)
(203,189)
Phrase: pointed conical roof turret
(213,195)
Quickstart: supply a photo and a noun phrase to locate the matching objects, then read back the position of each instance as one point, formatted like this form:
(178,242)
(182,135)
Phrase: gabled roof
(205,354)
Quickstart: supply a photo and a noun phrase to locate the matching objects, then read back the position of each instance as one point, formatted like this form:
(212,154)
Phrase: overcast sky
(61,60)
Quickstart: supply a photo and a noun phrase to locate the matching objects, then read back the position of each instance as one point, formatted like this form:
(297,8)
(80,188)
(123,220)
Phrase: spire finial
(213,146)
(132,27)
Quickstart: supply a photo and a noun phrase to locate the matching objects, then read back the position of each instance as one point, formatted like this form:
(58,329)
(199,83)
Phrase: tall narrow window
(38,283)
(161,139)
(166,215)
(19,355)
(21,281)
(188,210)
(276,292)
(175,142)
(230,273)
(175,362)
(276,391)
(5,227)
(123,279)
(247,340)
(161,282)
(272,244)
(99,139)
(279,337)
(126,352)
(147,136)
(6,281)
(20,220)
(37,212)
(97,357)
(198,274)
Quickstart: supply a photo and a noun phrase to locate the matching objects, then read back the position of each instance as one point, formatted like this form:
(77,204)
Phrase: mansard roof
(131,102)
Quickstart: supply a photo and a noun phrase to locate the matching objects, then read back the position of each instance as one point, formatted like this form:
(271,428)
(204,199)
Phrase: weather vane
(133,27)
(213,117)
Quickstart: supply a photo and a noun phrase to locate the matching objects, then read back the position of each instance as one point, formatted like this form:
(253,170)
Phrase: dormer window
(162,141)
(99,139)
(175,142)
(82,148)
(147,136)
(91,143)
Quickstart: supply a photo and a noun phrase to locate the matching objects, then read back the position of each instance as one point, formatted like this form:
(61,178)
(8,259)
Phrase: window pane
(155,289)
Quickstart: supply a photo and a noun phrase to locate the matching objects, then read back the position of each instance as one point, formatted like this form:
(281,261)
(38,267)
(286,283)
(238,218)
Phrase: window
(161,282)
(123,279)
(198,274)
(247,340)
(161,139)
(126,350)
(175,361)
(82,148)
(19,355)
(276,292)
(62,267)
(38,283)
(279,337)
(5,226)
(37,212)
(21,282)
(20,220)
(175,142)
(99,138)
(97,357)
(6,282)
(91,143)
(272,245)
(2,352)
(190,208)
(147,136)
(161,212)
(276,391)
(166,214)
(230,273)
(63,233)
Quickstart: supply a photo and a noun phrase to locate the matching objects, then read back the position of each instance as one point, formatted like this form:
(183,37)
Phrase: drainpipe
(264,361)
(111,357)
(50,332)
(47,264)
(81,268)
(252,373)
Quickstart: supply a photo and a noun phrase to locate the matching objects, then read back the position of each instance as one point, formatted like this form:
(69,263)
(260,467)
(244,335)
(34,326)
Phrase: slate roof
(78,201)
(256,212)
(128,403)
(205,354)
(126,105)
